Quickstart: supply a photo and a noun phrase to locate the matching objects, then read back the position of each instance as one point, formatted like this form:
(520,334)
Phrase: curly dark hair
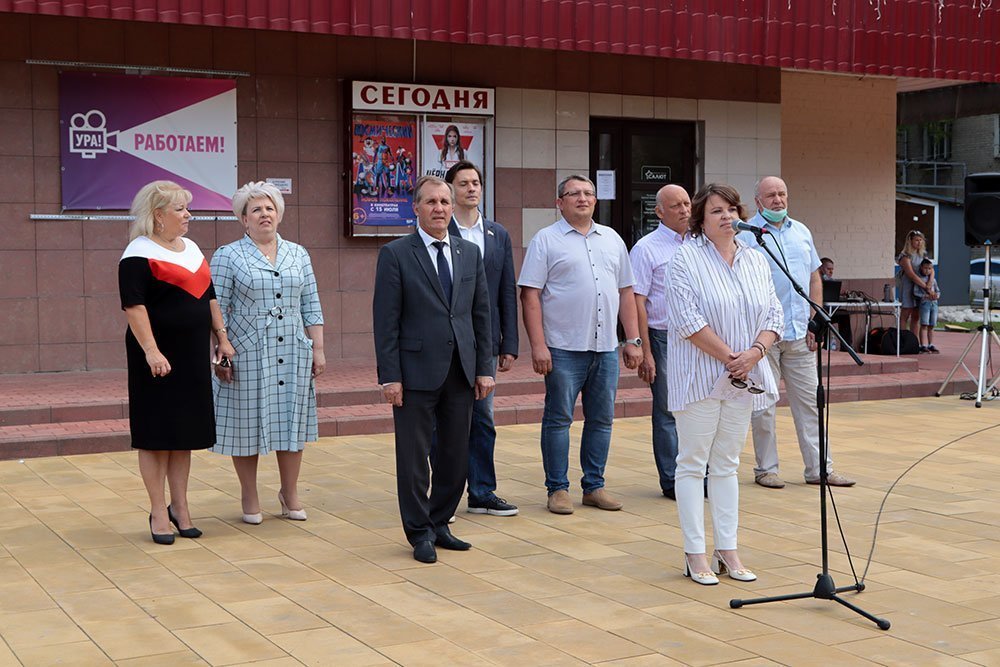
(727,192)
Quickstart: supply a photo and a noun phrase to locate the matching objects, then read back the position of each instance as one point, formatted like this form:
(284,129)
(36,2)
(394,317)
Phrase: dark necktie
(444,275)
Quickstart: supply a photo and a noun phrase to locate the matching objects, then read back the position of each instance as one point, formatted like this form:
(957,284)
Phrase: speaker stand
(987,336)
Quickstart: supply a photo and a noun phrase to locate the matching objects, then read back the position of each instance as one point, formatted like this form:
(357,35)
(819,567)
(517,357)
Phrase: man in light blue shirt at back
(793,357)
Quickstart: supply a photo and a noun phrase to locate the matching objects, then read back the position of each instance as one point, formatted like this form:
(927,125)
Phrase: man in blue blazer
(494,245)
(432,347)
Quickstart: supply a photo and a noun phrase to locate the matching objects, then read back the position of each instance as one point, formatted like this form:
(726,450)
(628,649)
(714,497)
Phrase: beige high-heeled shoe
(720,566)
(703,578)
(294,515)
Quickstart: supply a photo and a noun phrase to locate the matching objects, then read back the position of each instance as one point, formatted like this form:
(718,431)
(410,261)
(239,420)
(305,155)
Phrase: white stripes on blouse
(737,302)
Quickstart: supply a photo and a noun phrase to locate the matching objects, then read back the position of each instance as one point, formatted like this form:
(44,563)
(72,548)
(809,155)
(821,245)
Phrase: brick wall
(972,143)
(59,305)
(838,159)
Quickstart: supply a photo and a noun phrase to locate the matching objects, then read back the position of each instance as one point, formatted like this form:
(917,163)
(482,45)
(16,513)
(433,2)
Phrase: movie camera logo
(88,134)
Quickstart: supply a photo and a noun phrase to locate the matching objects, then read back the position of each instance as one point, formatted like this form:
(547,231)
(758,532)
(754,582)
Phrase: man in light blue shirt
(793,357)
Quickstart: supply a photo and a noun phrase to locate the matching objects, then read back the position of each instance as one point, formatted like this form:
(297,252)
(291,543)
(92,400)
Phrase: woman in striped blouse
(723,316)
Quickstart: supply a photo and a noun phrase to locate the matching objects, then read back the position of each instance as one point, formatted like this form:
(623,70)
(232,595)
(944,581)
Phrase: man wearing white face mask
(793,357)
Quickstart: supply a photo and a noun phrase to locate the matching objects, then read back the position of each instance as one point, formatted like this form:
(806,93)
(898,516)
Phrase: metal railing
(946,178)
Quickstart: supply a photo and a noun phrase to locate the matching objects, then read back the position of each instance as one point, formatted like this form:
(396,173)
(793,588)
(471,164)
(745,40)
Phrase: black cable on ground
(878,516)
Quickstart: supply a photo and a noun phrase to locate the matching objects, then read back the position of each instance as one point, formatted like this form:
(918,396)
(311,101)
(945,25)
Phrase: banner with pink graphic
(119,132)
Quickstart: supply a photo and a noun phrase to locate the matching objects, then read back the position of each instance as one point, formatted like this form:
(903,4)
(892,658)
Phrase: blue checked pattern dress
(271,404)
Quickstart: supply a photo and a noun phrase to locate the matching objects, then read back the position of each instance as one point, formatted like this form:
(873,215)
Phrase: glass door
(643,156)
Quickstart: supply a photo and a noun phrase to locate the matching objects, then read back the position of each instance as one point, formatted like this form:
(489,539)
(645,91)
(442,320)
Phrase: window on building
(996,135)
(937,140)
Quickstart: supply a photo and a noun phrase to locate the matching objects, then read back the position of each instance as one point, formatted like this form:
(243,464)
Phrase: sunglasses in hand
(747,384)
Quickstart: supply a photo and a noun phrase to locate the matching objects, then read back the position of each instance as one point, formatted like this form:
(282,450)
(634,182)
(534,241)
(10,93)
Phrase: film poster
(383,155)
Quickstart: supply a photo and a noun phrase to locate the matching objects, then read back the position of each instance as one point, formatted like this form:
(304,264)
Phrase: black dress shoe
(184,532)
(669,493)
(424,552)
(160,538)
(446,540)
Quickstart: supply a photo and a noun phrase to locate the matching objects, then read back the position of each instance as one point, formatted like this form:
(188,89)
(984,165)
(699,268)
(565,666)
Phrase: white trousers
(792,361)
(710,433)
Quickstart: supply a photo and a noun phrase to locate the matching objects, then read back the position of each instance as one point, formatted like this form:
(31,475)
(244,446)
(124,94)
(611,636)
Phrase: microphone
(740,226)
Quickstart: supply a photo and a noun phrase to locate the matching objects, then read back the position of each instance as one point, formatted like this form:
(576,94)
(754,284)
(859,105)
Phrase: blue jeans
(595,374)
(482,440)
(664,429)
(928,313)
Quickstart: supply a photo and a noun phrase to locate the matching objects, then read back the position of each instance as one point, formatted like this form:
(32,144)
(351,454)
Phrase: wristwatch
(634,341)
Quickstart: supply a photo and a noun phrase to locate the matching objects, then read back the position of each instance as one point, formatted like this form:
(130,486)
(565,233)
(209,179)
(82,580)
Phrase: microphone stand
(825,588)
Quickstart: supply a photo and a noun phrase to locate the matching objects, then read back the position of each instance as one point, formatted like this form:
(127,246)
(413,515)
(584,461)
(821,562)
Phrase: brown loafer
(560,503)
(601,499)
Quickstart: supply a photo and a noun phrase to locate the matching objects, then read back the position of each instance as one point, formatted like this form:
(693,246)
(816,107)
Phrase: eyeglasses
(578,194)
(747,384)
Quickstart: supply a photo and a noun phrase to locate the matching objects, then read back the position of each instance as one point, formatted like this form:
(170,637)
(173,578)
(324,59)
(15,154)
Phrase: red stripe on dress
(194,284)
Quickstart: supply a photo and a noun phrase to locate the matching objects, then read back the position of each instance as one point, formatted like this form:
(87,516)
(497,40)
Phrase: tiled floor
(81,583)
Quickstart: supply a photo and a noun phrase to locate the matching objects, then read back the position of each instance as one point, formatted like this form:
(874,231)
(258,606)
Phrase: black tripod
(825,589)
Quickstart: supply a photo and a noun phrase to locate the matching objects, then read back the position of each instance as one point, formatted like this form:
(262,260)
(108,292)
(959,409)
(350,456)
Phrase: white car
(977,277)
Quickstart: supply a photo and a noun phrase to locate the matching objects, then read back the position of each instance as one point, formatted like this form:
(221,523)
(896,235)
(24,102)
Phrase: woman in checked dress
(266,400)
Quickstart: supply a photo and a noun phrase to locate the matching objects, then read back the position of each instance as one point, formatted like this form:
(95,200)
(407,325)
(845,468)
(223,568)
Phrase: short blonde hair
(256,190)
(151,198)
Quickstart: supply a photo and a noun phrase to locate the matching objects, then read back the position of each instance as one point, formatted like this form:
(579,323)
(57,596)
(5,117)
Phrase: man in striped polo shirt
(650,257)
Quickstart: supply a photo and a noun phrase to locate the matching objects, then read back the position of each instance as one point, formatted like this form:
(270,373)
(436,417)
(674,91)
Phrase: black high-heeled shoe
(184,532)
(161,538)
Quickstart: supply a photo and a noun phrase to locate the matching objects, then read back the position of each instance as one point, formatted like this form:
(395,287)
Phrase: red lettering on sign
(421,96)
(462,98)
(479,99)
(368,95)
(441,100)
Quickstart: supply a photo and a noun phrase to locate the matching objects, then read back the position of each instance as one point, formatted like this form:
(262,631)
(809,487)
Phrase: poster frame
(354,111)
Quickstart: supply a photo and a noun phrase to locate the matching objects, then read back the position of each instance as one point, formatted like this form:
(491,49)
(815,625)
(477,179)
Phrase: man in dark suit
(494,245)
(432,346)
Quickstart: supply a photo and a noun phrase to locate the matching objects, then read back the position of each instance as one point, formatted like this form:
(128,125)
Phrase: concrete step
(104,435)
(107,399)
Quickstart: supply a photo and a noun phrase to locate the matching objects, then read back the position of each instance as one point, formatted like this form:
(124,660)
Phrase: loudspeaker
(982,209)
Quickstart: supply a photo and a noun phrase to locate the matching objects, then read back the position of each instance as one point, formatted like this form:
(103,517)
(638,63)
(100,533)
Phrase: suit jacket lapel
(424,260)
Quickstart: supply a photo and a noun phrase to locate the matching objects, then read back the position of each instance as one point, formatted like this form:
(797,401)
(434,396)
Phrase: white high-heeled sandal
(720,566)
(294,515)
(703,578)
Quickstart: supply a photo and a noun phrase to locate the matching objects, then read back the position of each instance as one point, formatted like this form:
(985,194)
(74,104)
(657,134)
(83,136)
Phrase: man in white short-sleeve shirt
(575,278)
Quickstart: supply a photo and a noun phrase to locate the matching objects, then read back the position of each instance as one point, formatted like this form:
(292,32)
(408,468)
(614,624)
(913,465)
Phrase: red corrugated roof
(919,38)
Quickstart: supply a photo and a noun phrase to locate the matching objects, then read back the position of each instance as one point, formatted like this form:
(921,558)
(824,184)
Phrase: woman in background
(166,292)
(913,253)
(266,400)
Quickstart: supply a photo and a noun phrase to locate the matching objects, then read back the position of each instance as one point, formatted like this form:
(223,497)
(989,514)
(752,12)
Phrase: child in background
(928,307)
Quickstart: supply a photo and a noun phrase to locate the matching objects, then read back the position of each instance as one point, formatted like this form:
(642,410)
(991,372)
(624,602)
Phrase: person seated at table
(841,318)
